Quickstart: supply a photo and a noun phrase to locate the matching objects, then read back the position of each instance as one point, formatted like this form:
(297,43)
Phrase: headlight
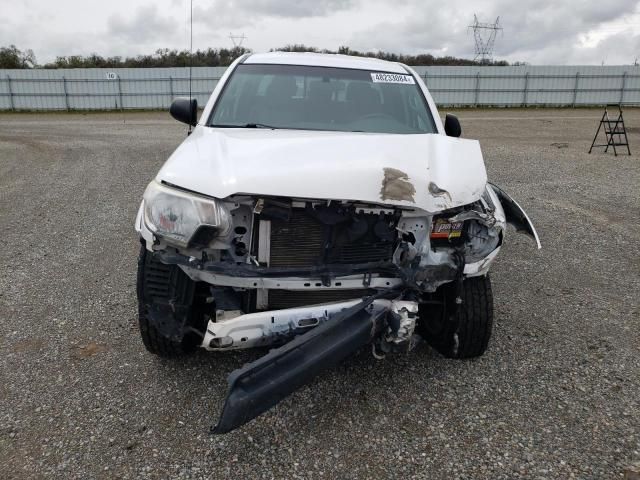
(177,215)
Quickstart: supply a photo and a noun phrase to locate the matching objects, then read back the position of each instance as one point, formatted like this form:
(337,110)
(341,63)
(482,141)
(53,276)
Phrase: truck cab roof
(325,60)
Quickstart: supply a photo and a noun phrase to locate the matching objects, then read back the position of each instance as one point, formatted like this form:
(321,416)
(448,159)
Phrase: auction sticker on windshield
(392,78)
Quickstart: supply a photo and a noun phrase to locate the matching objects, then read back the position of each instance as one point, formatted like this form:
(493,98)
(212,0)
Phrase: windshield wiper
(247,125)
(259,125)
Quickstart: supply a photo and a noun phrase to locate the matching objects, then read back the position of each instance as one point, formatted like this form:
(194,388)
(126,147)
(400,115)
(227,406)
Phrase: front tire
(170,324)
(464,330)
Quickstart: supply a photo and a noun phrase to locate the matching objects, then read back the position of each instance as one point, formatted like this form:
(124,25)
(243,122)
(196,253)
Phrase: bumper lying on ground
(260,385)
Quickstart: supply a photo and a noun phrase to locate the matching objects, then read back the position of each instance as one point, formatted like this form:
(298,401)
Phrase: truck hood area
(430,172)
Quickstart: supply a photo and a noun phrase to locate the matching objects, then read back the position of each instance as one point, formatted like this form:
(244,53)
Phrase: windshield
(322,98)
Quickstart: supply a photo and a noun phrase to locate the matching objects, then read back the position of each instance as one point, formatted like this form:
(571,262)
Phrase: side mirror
(185,110)
(452,126)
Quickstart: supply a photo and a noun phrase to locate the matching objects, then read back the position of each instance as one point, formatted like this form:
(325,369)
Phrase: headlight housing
(176,215)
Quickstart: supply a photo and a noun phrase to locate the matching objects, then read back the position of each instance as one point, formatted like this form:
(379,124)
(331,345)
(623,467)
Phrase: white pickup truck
(319,205)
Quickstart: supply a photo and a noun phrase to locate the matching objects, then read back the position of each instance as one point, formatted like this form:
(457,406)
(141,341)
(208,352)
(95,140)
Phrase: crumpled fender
(515,214)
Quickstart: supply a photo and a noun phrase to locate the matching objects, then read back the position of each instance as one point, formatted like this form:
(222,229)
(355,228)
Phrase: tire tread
(472,322)
(156,280)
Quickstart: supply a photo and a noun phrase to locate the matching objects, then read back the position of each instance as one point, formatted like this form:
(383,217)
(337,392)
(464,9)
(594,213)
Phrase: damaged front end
(262,255)
(318,279)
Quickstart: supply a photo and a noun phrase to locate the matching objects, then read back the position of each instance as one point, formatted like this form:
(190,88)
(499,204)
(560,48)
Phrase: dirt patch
(88,350)
(28,346)
(396,186)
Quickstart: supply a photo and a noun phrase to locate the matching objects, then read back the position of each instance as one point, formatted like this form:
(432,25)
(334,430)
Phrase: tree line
(422,59)
(14,58)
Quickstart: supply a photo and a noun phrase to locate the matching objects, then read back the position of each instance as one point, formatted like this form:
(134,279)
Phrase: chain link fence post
(477,92)
(171,89)
(120,93)
(575,90)
(11,105)
(525,90)
(66,95)
(624,81)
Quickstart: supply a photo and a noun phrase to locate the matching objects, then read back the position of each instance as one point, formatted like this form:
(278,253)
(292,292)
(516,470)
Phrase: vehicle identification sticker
(392,78)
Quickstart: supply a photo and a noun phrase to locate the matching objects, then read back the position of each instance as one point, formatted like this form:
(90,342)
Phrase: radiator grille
(300,242)
(279,299)
(362,253)
(296,243)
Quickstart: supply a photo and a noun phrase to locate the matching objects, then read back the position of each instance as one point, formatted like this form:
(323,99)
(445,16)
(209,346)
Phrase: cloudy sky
(535,31)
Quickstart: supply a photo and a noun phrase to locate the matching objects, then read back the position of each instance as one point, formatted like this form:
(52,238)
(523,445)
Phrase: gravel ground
(556,395)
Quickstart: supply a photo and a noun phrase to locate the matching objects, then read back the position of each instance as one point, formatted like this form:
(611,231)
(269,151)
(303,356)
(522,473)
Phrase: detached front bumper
(346,327)
(259,329)
(233,329)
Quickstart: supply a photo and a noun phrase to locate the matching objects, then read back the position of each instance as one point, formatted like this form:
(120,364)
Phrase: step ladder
(614,131)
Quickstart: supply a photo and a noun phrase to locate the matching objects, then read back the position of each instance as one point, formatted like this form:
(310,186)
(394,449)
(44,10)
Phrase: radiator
(303,241)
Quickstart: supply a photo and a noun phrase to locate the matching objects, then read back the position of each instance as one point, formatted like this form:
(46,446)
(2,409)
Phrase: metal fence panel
(154,88)
(533,85)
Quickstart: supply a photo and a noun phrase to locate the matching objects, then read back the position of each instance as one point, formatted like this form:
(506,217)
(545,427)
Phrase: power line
(237,39)
(485,37)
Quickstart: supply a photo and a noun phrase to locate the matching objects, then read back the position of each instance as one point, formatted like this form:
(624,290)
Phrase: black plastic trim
(258,386)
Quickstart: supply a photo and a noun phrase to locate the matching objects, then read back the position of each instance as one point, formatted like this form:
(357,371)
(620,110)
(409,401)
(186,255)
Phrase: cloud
(232,13)
(535,31)
(545,31)
(278,8)
(300,8)
(618,48)
(553,24)
(145,26)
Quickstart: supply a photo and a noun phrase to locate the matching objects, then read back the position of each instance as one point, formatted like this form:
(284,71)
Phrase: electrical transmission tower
(485,37)
(237,39)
